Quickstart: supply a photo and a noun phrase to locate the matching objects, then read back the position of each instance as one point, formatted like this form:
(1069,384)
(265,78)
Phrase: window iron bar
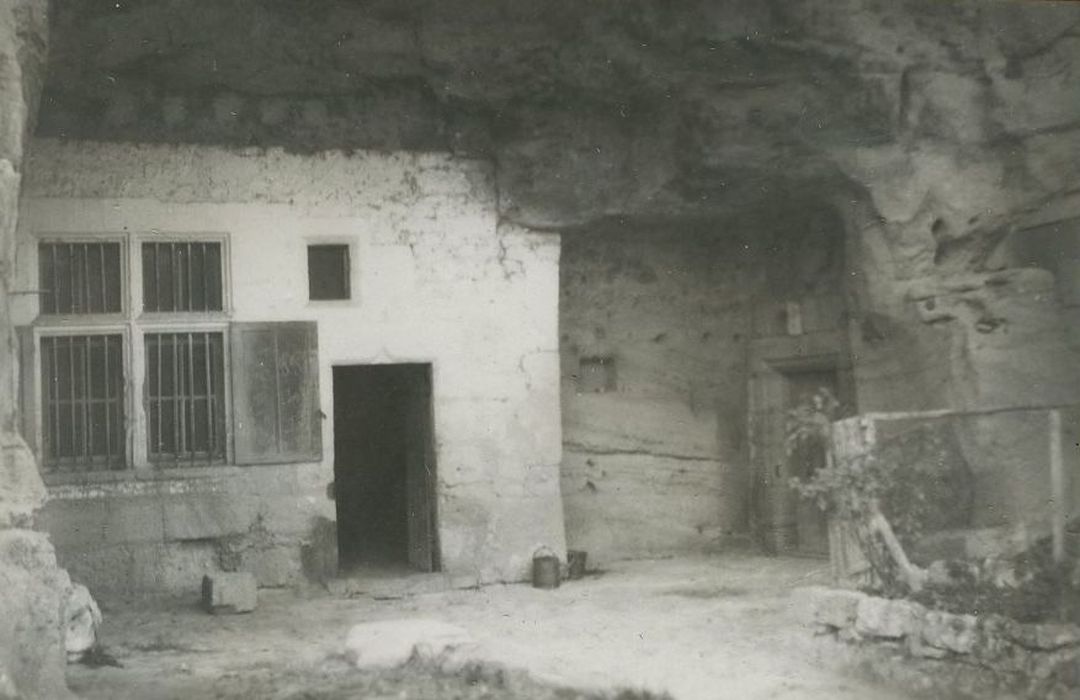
(194,399)
(78,428)
(182,276)
(75,278)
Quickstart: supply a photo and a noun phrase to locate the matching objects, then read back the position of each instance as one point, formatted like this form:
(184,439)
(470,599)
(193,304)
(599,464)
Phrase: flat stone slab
(228,593)
(390,643)
(831,607)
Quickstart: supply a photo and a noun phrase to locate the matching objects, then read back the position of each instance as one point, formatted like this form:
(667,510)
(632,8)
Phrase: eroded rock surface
(32,619)
(936,130)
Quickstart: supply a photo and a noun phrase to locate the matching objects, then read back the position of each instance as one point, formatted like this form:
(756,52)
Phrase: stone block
(175,568)
(890,619)
(199,516)
(77,523)
(832,607)
(917,647)
(1047,637)
(955,633)
(83,618)
(134,519)
(995,644)
(227,593)
(391,643)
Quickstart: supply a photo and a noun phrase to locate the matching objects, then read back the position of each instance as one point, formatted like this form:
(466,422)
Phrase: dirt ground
(699,629)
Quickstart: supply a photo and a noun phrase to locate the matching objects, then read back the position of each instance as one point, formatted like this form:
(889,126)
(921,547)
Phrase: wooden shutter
(275,385)
(28,400)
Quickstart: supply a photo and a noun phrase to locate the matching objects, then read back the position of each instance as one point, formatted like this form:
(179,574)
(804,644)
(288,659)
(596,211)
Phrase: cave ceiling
(590,110)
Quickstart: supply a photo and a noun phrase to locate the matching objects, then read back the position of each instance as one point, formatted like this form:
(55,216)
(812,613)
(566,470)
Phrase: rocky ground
(694,628)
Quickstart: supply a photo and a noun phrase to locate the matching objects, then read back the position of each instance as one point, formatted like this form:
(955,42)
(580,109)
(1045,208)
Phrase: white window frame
(65,330)
(132,323)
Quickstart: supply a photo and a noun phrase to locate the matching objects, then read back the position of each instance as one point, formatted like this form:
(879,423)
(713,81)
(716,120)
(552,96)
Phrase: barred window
(114,388)
(185,379)
(80,278)
(82,382)
(182,276)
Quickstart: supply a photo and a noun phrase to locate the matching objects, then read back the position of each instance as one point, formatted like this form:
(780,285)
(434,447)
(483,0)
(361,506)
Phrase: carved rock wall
(32,623)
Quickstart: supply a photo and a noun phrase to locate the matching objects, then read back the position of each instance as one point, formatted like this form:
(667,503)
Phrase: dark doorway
(384,466)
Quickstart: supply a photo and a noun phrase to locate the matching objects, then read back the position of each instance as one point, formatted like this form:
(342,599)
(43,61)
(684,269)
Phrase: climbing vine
(851,491)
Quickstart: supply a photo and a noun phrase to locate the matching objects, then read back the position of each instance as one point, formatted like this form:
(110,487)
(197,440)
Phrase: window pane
(182,276)
(196,283)
(186,398)
(328,272)
(82,402)
(79,278)
(212,275)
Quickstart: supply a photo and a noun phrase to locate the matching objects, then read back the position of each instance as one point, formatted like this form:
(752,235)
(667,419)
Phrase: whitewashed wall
(434,279)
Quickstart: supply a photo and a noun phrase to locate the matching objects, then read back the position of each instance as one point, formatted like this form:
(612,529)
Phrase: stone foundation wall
(942,654)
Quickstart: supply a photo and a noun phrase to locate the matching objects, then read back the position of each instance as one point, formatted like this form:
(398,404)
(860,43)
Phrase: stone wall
(659,331)
(941,654)
(434,279)
(991,475)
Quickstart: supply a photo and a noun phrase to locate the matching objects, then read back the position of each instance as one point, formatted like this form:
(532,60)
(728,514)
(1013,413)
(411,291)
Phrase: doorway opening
(783,521)
(384,467)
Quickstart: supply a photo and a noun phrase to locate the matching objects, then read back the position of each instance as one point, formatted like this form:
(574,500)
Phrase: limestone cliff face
(597,109)
(939,133)
(943,136)
(32,658)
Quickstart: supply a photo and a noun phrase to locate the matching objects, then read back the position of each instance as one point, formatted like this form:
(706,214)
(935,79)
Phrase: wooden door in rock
(384,466)
(784,521)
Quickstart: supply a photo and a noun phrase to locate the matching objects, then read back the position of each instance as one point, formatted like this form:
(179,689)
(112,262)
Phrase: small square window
(596,375)
(328,272)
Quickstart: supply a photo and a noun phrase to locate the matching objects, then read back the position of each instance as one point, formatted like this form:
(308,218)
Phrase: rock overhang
(589,110)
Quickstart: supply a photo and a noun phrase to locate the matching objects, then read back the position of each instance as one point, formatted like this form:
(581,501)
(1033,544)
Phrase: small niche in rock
(596,375)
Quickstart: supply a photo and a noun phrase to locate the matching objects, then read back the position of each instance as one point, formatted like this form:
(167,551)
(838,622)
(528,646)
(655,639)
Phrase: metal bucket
(545,573)
(575,564)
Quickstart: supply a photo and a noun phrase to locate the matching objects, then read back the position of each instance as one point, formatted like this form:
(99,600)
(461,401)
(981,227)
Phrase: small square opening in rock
(596,375)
